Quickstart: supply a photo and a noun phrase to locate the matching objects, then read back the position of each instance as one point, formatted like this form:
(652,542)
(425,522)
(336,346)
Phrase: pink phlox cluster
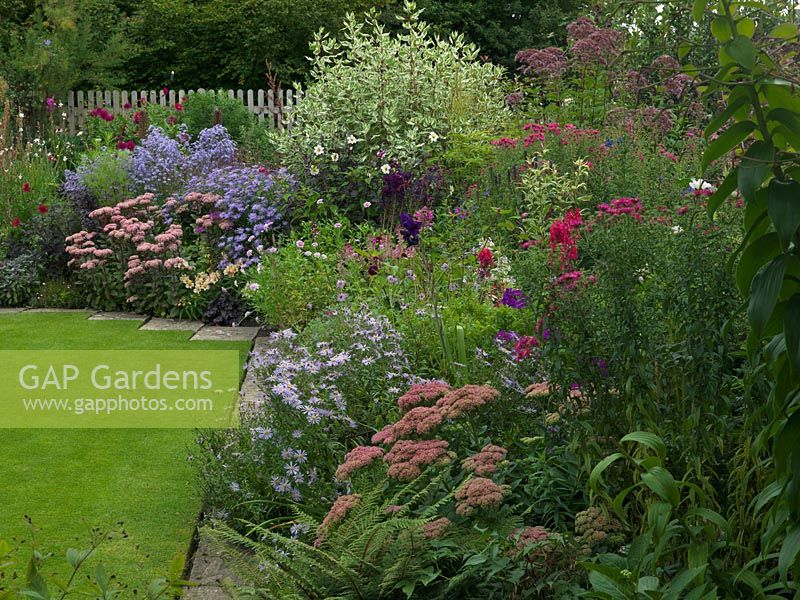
(486,461)
(619,207)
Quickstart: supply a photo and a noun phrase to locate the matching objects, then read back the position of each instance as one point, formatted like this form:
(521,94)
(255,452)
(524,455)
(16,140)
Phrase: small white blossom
(314,170)
(351,139)
(386,169)
(433,137)
(677,229)
(367,204)
(319,150)
(334,157)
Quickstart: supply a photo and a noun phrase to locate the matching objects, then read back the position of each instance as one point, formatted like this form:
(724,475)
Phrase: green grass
(68,481)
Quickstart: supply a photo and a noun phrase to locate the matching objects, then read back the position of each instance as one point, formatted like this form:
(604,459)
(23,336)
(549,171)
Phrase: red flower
(178,106)
(26,187)
(486,258)
(164,91)
(15,222)
(137,116)
(42,208)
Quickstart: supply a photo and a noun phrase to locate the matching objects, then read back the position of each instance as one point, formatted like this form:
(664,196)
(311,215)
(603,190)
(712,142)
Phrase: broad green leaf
(791,330)
(596,473)
(764,294)
(746,27)
(698,9)
(604,584)
(651,440)
(758,253)
(784,31)
(725,189)
(789,551)
(683,49)
(784,209)
(721,29)
(663,484)
(681,581)
(754,168)
(735,102)
(742,50)
(727,141)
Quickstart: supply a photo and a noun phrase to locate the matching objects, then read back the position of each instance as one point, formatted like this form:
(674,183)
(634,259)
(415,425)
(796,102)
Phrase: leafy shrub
(19,279)
(381,104)
(106,176)
(204,110)
(321,391)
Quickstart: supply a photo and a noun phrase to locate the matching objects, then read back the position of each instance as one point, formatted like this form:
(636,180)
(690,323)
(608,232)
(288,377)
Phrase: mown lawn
(69,481)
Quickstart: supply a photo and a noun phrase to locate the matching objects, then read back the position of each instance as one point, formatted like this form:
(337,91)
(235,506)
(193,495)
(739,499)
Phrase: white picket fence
(265,104)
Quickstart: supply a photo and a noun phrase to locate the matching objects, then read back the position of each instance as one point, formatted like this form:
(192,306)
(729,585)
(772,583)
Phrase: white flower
(314,170)
(253,287)
(386,169)
(677,229)
(307,253)
(320,201)
(319,150)
(351,139)
(334,157)
(367,204)
(337,225)
(433,137)
(324,256)
(21,115)
(700,184)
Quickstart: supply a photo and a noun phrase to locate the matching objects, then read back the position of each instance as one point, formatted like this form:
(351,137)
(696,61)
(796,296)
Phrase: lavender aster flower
(514,298)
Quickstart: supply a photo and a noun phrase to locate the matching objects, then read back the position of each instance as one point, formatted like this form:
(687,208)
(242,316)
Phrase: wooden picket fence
(265,104)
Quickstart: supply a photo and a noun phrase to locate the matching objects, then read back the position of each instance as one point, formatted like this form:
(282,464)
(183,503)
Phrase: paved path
(200,332)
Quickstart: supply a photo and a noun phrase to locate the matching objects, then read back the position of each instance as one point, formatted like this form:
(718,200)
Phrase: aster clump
(358,458)
(466,399)
(422,393)
(406,457)
(486,461)
(478,493)
(337,514)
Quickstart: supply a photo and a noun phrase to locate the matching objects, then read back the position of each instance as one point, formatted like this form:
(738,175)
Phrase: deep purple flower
(514,298)
(409,229)
(395,185)
(507,336)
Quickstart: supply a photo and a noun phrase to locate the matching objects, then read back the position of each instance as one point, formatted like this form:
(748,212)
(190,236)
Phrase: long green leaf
(784,209)
(727,141)
(764,294)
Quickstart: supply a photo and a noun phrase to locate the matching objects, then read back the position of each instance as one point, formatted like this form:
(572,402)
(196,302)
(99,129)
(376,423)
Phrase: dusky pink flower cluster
(545,63)
(422,394)
(436,529)
(592,45)
(358,458)
(341,506)
(407,457)
(478,493)
(486,461)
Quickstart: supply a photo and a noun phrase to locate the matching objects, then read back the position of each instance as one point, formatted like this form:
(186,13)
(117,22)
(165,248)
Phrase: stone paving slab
(61,310)
(208,571)
(236,334)
(159,324)
(117,316)
(10,311)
